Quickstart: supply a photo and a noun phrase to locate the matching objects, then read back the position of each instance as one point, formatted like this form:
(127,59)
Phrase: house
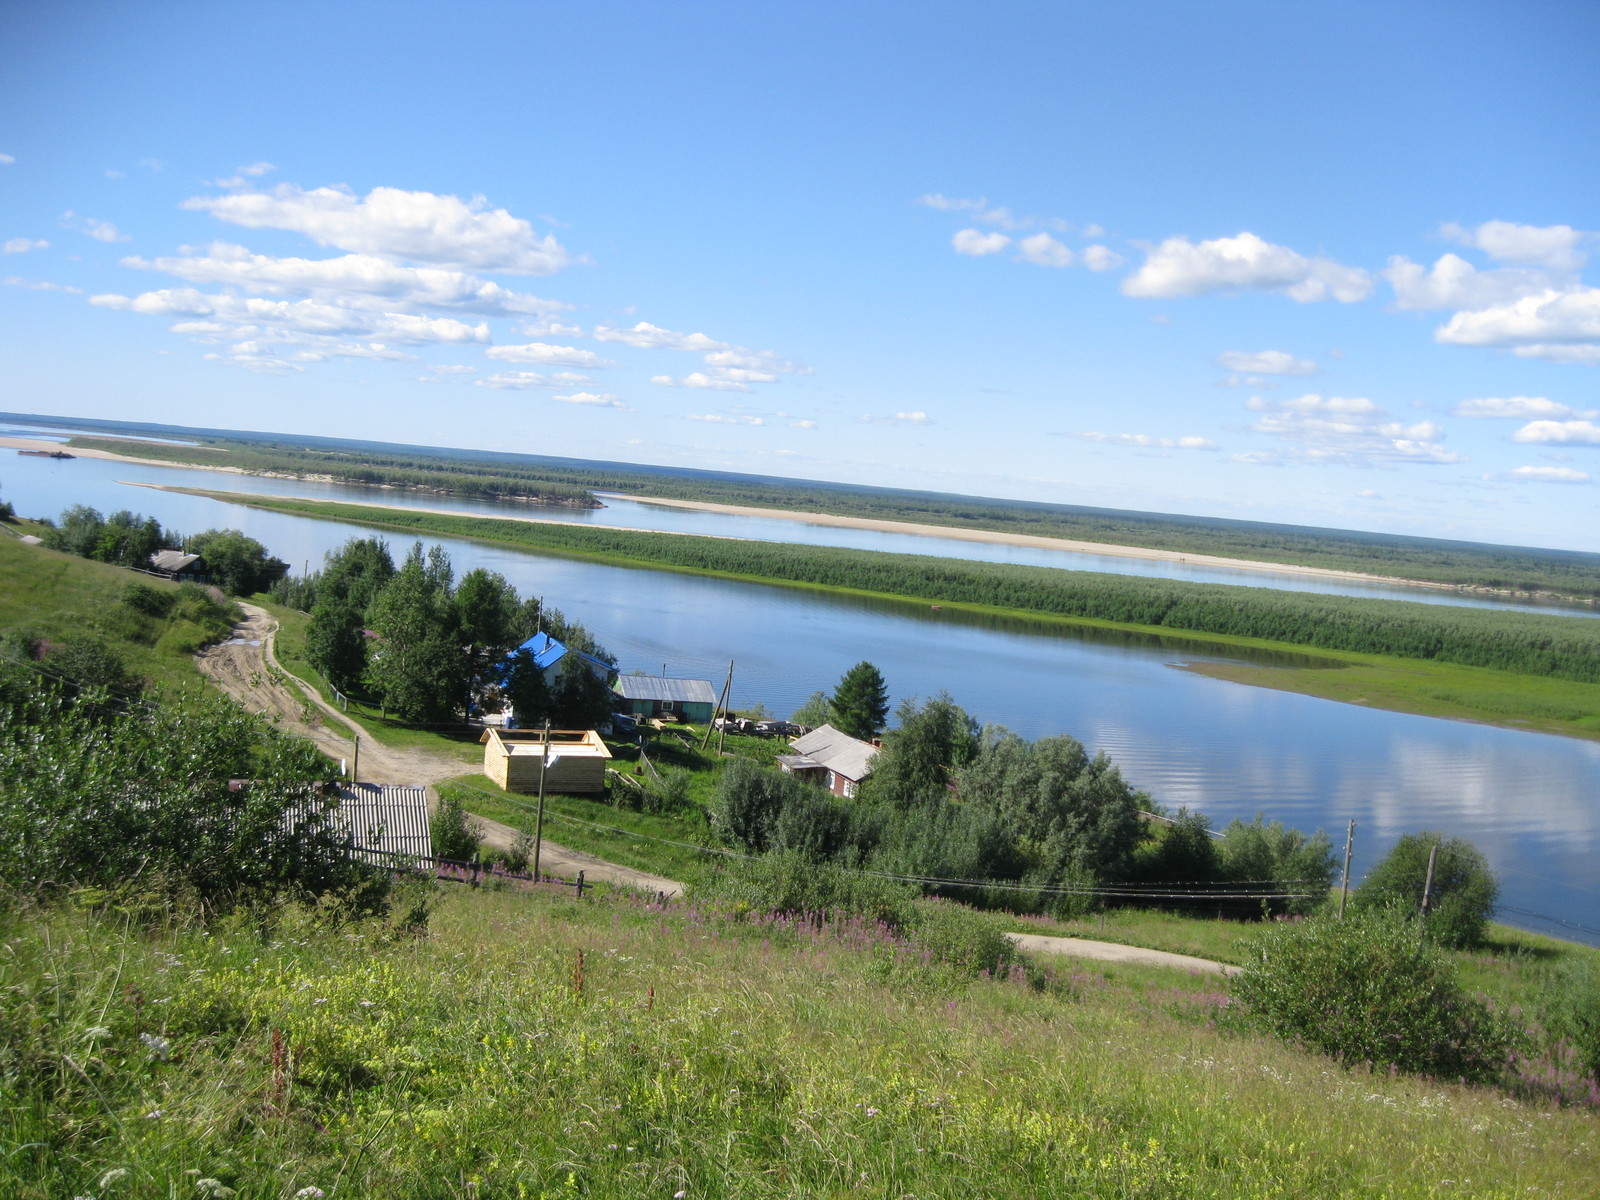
(646,696)
(830,758)
(515,760)
(547,654)
(175,564)
(386,823)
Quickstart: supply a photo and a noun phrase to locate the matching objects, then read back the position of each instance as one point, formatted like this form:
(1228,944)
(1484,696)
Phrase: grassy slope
(701,1057)
(1403,685)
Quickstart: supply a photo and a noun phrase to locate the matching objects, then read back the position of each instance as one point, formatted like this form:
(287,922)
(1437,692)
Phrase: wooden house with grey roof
(647,696)
(830,758)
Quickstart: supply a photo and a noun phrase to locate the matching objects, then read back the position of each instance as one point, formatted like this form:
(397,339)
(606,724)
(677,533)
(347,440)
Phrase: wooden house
(646,696)
(830,758)
(175,564)
(514,759)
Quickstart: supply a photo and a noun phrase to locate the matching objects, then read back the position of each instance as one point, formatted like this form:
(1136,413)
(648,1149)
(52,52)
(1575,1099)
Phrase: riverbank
(1514,699)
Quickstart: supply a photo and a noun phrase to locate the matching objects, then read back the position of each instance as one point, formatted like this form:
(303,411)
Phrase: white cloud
(349,279)
(21,245)
(1179,267)
(549,327)
(256,316)
(452,369)
(646,336)
(252,356)
(1549,475)
(1559,433)
(593,399)
(1552,246)
(41,285)
(1349,430)
(1045,251)
(700,379)
(1522,408)
(1265,362)
(1536,325)
(802,423)
(900,418)
(101,231)
(951,204)
(1453,282)
(421,226)
(1146,441)
(323,351)
(6,160)
(1101,258)
(976,244)
(520,380)
(727,418)
(543,354)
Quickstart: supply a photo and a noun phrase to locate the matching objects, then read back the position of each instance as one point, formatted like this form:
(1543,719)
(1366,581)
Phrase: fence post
(580,885)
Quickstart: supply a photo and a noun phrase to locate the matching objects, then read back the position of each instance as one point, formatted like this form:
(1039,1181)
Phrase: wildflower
(310,1193)
(155,1114)
(159,1047)
(96,1032)
(115,1175)
(214,1188)
(872,1112)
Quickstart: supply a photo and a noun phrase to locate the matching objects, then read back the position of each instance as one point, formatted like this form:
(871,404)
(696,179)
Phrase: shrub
(954,934)
(454,832)
(1464,888)
(1370,989)
(1569,1003)
(785,882)
(142,598)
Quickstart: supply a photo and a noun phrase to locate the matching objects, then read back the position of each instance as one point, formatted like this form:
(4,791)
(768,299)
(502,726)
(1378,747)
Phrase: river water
(1531,802)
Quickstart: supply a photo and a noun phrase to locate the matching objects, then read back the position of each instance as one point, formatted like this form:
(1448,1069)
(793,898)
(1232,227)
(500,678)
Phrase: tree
(417,666)
(580,699)
(750,802)
(813,712)
(1302,867)
(1464,887)
(356,572)
(486,611)
(525,687)
(335,644)
(238,564)
(921,755)
(860,703)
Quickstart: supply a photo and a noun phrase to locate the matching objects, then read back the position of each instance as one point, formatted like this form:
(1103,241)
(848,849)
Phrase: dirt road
(246,668)
(1038,943)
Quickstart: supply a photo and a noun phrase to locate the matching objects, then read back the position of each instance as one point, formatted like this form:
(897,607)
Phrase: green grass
(698,1055)
(65,598)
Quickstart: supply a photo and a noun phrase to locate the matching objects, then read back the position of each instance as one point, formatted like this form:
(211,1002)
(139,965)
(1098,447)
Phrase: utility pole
(1344,888)
(355,767)
(538,829)
(1427,888)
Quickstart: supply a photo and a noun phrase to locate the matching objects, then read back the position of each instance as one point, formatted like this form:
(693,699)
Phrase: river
(1531,802)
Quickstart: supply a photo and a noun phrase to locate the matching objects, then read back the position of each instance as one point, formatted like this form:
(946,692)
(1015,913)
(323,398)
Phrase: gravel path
(1116,952)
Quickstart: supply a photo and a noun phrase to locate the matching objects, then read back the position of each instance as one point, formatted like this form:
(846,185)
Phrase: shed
(384,822)
(656,695)
(514,759)
(831,758)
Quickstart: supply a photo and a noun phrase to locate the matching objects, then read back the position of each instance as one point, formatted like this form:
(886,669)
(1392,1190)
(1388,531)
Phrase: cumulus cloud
(1453,282)
(699,379)
(519,380)
(1265,362)
(1535,326)
(1146,441)
(1101,258)
(352,278)
(1179,267)
(419,226)
(1349,430)
(1548,475)
(547,355)
(1559,433)
(259,317)
(977,244)
(549,327)
(1556,247)
(1045,251)
(21,245)
(6,160)
(1521,408)
(900,418)
(452,369)
(727,418)
(646,336)
(997,215)
(592,399)
(101,231)
(41,285)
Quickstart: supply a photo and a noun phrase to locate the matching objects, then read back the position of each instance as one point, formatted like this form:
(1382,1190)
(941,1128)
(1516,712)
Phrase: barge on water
(46,454)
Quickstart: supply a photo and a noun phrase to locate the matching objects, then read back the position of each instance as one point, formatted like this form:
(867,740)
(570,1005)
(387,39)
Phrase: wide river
(1531,802)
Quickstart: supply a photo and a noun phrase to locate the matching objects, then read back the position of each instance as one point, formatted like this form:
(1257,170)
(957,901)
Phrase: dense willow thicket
(1527,643)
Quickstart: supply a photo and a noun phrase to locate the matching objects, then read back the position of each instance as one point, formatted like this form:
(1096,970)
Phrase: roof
(173,561)
(383,821)
(547,652)
(661,687)
(839,752)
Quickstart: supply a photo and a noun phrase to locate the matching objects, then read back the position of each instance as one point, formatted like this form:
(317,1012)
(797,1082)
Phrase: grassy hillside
(533,1046)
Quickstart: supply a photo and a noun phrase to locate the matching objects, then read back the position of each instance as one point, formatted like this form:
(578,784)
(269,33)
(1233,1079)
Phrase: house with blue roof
(547,654)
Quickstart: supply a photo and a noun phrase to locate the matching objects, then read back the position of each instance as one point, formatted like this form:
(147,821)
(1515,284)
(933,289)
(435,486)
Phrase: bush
(1370,989)
(1569,1003)
(142,598)
(1464,888)
(781,882)
(454,832)
(954,934)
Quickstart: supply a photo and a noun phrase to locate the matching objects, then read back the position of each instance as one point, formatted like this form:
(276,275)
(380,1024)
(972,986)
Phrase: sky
(1329,265)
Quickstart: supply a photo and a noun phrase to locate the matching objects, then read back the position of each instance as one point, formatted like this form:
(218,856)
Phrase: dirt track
(246,668)
(1038,943)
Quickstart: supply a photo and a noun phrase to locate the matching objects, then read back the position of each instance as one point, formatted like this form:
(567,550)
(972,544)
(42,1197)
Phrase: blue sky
(1327,265)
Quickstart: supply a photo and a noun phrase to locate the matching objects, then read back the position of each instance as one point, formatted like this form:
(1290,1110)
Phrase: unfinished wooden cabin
(513,758)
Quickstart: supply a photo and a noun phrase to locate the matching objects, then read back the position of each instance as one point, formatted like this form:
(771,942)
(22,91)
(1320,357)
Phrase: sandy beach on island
(955,533)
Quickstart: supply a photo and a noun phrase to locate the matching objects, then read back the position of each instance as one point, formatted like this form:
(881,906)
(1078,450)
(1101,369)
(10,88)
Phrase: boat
(46,454)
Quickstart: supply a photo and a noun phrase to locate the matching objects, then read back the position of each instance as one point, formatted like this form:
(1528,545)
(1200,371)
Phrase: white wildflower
(310,1193)
(214,1188)
(112,1176)
(159,1046)
(97,1032)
